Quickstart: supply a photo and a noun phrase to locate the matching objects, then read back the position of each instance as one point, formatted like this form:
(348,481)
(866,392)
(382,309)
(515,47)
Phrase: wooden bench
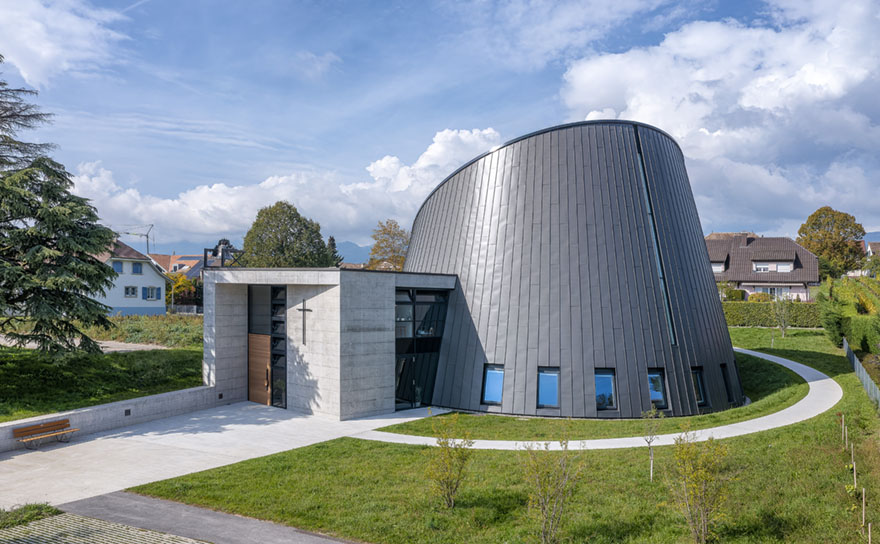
(32,435)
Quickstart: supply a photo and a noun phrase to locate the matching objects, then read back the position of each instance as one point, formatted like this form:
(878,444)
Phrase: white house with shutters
(139,288)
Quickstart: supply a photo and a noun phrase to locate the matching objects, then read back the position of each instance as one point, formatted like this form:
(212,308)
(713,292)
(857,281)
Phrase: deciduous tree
(835,238)
(782,310)
(390,242)
(872,265)
(552,478)
(653,419)
(49,240)
(181,287)
(699,483)
(280,237)
(447,464)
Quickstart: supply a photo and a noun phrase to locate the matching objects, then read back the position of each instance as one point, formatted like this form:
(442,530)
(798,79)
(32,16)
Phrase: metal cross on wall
(304,310)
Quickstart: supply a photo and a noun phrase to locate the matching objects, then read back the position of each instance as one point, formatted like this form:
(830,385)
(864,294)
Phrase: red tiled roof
(164,261)
(121,250)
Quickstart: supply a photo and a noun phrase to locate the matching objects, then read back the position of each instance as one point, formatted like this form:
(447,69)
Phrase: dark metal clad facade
(554,248)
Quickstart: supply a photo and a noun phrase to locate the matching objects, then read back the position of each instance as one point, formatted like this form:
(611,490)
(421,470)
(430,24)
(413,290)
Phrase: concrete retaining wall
(104,417)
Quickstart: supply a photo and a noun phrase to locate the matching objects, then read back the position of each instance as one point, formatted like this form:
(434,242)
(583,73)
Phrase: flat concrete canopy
(101,463)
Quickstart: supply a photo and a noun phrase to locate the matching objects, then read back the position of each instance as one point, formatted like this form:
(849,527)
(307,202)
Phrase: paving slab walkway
(74,529)
(101,463)
(824,393)
(189,521)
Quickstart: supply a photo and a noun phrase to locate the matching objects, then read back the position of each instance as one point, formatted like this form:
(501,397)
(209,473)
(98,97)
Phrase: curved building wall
(552,239)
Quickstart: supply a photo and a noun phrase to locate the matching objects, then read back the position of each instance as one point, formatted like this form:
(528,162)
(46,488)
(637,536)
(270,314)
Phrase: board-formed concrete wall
(552,237)
(345,367)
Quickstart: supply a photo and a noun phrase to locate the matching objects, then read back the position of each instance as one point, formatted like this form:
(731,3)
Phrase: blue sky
(193,115)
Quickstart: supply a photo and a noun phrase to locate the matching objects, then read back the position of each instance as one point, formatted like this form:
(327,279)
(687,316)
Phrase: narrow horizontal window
(548,388)
(493,383)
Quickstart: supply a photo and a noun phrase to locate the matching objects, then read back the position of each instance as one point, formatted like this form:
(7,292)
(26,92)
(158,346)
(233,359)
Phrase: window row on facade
(147,293)
(606,387)
(136,268)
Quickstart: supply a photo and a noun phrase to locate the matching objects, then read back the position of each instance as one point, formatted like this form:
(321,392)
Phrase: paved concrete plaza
(101,463)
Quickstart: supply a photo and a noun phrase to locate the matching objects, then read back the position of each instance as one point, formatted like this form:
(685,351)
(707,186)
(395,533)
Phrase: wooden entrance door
(259,368)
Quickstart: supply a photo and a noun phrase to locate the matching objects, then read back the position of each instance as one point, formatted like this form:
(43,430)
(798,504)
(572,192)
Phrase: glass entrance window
(605,389)
(657,388)
(548,388)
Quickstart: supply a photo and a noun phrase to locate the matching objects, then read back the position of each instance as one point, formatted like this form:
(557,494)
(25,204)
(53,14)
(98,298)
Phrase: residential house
(757,264)
(177,263)
(140,285)
(870,249)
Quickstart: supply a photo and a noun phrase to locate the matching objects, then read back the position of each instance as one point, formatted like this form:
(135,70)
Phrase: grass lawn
(770,386)
(790,486)
(175,331)
(32,384)
(25,514)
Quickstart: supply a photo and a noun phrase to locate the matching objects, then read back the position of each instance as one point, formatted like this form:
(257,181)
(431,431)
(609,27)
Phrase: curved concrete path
(824,393)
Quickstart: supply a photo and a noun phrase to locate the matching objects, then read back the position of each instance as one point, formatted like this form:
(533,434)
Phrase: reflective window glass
(657,388)
(493,381)
(605,390)
(697,377)
(548,388)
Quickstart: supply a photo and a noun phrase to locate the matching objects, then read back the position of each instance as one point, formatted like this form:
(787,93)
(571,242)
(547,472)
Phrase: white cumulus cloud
(773,117)
(348,210)
(43,38)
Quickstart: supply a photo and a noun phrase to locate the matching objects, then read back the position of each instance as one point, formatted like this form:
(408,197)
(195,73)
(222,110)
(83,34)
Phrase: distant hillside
(353,253)
(872,236)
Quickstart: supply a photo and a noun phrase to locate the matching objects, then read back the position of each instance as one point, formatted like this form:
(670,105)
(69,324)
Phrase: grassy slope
(790,486)
(179,331)
(32,384)
(770,386)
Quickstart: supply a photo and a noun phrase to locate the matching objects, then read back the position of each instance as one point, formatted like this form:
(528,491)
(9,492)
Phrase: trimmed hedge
(760,314)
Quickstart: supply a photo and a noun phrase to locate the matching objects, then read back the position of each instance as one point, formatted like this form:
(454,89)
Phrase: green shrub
(862,332)
(760,314)
(759,297)
(734,295)
(832,320)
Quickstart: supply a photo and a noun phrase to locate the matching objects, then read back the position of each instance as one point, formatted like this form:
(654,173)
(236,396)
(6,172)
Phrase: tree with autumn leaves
(835,238)
(390,242)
